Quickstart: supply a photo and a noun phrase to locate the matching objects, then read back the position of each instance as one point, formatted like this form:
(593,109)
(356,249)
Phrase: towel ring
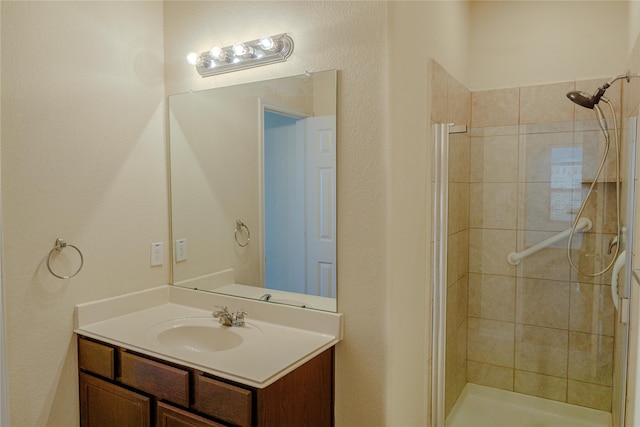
(239,226)
(59,246)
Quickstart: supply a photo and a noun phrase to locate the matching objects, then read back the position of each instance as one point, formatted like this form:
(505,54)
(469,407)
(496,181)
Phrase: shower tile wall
(451,103)
(539,328)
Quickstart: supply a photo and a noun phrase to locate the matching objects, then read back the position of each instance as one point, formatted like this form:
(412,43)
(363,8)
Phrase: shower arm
(627,76)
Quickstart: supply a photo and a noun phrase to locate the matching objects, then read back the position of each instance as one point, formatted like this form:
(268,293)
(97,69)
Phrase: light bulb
(194,59)
(239,49)
(267,43)
(218,53)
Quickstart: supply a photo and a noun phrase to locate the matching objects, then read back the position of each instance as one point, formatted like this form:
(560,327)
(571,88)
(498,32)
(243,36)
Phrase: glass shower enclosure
(533,327)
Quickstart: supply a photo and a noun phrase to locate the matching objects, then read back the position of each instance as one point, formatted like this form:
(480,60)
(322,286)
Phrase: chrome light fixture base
(240,56)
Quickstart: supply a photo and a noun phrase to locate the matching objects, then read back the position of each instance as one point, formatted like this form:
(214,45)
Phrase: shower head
(588,101)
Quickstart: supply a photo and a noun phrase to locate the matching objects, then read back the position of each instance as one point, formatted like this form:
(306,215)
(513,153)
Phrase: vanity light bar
(255,53)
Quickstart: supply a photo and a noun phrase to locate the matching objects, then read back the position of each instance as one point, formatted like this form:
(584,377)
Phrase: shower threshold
(480,406)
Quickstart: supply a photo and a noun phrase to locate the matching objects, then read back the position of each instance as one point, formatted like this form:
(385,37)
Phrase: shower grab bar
(619,265)
(584,224)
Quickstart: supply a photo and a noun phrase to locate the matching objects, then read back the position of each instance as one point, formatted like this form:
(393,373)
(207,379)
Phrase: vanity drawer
(163,381)
(169,416)
(224,401)
(96,358)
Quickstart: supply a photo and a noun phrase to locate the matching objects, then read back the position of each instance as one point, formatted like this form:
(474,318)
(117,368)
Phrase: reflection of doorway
(299,203)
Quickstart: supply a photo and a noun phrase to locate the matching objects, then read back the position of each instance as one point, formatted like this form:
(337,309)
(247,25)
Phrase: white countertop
(289,336)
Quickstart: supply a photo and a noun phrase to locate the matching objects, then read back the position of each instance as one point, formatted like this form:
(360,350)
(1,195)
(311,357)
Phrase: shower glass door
(538,329)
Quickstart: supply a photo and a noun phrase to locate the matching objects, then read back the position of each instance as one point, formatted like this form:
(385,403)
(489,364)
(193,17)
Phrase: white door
(320,189)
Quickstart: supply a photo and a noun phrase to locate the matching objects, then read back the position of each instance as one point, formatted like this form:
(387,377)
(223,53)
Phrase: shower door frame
(440,232)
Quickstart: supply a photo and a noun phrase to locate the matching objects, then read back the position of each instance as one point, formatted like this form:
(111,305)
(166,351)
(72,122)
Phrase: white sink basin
(201,334)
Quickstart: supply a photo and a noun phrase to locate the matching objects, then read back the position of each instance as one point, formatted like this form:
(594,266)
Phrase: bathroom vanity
(142,391)
(150,362)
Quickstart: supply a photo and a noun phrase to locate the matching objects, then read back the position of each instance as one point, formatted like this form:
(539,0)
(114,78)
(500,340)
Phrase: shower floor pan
(480,406)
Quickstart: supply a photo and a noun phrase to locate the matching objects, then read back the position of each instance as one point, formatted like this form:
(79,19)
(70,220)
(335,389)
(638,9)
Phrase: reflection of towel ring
(239,226)
(59,246)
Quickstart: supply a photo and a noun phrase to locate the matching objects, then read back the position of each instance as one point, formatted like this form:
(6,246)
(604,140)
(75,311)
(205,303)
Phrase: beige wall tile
(592,257)
(546,157)
(591,358)
(490,341)
(546,103)
(544,386)
(458,103)
(457,304)
(458,207)
(456,365)
(495,130)
(439,78)
(456,351)
(490,375)
(549,263)
(459,157)
(592,145)
(495,107)
(492,297)
(589,395)
(488,251)
(495,159)
(591,309)
(457,256)
(542,350)
(543,208)
(549,127)
(494,205)
(601,207)
(542,303)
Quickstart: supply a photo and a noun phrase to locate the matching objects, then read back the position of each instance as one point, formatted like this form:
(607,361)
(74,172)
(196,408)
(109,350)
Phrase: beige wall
(418,31)
(520,43)
(348,36)
(82,159)
(4,394)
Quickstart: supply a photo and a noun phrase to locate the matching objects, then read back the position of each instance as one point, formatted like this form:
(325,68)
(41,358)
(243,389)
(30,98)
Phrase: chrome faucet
(265,297)
(226,318)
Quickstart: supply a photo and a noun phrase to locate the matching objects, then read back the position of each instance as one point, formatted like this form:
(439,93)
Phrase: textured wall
(83,158)
(348,36)
(516,43)
(418,31)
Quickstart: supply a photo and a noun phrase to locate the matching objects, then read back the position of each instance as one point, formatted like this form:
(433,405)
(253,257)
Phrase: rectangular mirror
(253,190)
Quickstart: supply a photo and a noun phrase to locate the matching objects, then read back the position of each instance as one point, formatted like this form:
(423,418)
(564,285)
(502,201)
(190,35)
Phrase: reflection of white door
(320,186)
(284,200)
(299,204)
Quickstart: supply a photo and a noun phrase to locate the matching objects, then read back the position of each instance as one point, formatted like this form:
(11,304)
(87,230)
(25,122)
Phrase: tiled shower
(517,177)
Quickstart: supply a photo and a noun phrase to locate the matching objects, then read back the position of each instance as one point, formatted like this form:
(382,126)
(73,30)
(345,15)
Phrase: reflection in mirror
(253,190)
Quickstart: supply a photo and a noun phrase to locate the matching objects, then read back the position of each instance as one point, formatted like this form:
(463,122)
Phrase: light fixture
(194,59)
(239,56)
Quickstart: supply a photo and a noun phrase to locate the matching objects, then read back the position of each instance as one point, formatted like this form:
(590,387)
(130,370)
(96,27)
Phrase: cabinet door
(169,416)
(103,404)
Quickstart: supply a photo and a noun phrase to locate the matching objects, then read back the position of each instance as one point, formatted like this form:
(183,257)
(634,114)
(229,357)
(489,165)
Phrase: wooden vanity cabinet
(124,388)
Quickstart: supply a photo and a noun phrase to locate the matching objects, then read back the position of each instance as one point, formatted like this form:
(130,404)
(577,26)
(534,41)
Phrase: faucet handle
(239,317)
(221,312)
